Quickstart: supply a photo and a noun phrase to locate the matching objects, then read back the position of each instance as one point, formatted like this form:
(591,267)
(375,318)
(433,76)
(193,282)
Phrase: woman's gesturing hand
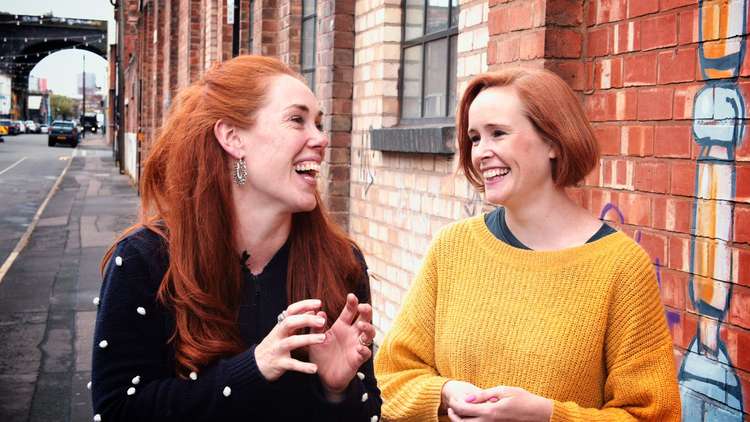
(346,345)
(273,356)
(501,404)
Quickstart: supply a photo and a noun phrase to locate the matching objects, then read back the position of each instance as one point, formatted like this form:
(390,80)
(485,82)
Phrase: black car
(63,131)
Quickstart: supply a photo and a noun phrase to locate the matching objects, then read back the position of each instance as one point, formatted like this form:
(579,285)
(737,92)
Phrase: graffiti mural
(709,385)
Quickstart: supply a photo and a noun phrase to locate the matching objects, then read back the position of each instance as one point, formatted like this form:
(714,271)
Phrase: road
(28,169)
(46,310)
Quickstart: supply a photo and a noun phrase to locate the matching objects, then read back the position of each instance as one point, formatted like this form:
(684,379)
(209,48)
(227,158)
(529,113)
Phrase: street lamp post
(83,102)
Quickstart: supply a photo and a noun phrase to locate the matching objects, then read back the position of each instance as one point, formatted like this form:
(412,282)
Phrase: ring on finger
(364,340)
(281,317)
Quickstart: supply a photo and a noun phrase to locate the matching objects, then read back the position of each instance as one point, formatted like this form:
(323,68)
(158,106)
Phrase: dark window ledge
(438,139)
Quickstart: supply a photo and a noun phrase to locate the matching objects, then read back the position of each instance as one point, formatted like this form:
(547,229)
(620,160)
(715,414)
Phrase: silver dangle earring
(240,172)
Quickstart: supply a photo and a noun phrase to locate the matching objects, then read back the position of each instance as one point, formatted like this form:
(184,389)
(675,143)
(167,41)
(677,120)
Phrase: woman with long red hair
(234,296)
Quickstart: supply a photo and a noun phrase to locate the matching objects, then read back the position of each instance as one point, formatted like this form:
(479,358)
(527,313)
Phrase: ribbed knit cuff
(562,413)
(432,393)
(243,372)
(421,402)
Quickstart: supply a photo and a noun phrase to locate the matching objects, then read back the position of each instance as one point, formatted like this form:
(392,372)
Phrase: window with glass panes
(428,85)
(309,16)
(251,26)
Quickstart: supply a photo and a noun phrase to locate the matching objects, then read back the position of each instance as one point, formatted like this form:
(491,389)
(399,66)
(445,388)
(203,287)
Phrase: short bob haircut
(553,110)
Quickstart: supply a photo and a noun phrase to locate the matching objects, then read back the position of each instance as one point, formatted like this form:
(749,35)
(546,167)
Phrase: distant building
(5,95)
(38,100)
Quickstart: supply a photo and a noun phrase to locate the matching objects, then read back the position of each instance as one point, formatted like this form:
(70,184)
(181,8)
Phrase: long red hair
(186,199)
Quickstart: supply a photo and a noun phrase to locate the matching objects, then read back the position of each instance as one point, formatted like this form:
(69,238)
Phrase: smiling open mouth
(495,174)
(309,168)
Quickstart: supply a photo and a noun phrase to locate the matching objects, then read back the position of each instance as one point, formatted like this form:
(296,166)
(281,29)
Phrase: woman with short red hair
(234,297)
(535,311)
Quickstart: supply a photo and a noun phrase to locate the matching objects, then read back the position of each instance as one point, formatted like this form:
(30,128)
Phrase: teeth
(495,172)
(307,166)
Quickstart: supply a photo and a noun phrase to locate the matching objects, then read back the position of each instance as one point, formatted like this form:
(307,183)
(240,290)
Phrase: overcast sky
(61,68)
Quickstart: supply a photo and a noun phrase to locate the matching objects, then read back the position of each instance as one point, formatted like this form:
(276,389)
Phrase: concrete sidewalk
(46,311)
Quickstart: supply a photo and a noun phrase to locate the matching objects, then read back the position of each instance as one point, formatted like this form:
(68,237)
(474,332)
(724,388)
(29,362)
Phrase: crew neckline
(535,258)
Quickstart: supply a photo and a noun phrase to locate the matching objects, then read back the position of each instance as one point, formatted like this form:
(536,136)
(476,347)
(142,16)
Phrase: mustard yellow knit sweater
(583,326)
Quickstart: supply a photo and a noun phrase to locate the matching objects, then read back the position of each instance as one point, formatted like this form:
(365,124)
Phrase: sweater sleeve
(641,381)
(405,364)
(132,376)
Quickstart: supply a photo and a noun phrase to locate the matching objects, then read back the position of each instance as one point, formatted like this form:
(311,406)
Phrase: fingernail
(471,398)
(320,320)
(493,399)
(321,337)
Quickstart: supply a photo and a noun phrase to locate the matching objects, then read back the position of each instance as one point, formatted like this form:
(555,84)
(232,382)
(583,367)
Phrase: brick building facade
(664,82)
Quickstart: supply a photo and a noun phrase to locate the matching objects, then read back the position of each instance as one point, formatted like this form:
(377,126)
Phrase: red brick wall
(290,20)
(638,67)
(334,84)
(145,41)
(269,28)
(159,38)
(245,26)
(189,58)
(687,206)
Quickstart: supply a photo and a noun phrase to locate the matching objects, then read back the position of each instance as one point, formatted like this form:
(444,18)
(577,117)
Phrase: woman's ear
(229,139)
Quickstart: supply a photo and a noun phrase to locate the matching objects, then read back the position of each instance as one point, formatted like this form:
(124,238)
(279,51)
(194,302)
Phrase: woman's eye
(498,133)
(319,126)
(474,140)
(297,119)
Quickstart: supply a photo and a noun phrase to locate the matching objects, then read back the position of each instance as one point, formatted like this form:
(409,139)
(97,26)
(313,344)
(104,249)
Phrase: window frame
(314,17)
(447,34)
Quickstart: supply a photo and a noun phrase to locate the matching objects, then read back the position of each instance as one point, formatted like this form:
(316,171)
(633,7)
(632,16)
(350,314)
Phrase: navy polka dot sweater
(133,373)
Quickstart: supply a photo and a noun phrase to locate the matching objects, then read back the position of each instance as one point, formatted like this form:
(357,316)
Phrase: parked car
(63,131)
(21,127)
(10,128)
(43,128)
(31,126)
(3,131)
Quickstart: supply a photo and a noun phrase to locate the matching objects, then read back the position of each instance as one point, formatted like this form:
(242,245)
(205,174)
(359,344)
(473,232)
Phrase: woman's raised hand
(346,346)
(273,356)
